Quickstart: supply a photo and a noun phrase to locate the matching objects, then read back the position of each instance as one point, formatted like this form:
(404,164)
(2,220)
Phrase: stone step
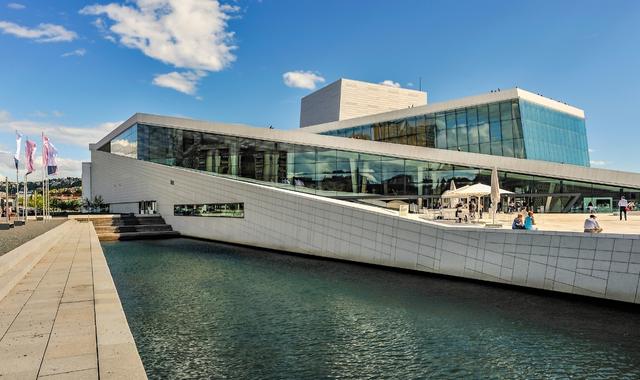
(138,228)
(138,235)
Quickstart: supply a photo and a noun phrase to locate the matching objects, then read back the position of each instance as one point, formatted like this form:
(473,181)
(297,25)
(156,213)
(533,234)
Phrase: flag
(16,158)
(52,166)
(45,151)
(30,152)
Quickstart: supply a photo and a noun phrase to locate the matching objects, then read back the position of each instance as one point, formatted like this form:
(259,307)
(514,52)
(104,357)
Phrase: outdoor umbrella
(495,192)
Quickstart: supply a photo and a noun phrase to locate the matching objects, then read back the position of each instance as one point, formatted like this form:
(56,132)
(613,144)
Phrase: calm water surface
(209,310)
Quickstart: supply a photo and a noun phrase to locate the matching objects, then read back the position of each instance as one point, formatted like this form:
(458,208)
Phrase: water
(208,310)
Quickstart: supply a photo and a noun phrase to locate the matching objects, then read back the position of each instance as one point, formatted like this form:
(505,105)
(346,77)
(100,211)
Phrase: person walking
(590,207)
(623,204)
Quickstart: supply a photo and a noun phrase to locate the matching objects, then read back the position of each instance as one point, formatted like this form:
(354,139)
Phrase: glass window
(461,118)
(496,131)
(452,140)
(224,210)
(451,120)
(462,137)
(496,148)
(473,134)
(505,111)
(483,114)
(507,129)
(483,133)
(494,112)
(472,116)
(507,148)
(441,139)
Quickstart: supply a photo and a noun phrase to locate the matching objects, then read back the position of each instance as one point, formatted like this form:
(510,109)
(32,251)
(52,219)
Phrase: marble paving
(64,319)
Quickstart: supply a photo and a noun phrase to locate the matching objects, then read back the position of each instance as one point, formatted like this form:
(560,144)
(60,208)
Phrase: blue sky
(75,68)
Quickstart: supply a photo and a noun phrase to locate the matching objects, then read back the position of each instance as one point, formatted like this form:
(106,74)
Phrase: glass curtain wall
(493,128)
(338,173)
(554,136)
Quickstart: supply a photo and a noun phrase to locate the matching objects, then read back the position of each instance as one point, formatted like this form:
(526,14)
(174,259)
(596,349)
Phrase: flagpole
(26,204)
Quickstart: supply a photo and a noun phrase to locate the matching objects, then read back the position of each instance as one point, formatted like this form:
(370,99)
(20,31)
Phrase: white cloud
(57,113)
(185,82)
(302,79)
(390,83)
(58,133)
(16,6)
(188,34)
(77,52)
(41,33)
(591,150)
(598,163)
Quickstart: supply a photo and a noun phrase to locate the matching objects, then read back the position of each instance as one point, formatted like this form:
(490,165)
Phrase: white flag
(16,158)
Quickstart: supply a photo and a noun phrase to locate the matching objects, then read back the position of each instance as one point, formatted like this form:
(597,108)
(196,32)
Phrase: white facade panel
(86,181)
(308,224)
(346,99)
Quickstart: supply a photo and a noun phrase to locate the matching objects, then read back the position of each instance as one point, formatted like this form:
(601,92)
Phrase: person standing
(590,207)
(623,204)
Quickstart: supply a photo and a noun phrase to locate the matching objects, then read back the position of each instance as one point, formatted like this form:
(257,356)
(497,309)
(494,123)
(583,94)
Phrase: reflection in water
(208,310)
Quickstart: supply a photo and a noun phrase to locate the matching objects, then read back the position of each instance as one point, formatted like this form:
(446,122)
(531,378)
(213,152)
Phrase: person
(472,209)
(512,207)
(518,223)
(591,225)
(530,222)
(590,207)
(459,212)
(623,204)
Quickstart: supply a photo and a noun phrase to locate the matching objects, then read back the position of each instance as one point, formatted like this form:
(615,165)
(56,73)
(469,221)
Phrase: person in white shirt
(592,225)
(622,204)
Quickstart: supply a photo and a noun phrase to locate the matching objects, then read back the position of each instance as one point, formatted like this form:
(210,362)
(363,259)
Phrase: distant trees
(95,205)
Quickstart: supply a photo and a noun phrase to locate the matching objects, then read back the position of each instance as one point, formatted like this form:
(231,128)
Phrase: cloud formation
(187,34)
(390,83)
(63,134)
(302,79)
(77,53)
(185,82)
(598,163)
(16,6)
(41,33)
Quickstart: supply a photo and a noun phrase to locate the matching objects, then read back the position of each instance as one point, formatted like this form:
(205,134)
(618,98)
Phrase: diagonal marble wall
(603,266)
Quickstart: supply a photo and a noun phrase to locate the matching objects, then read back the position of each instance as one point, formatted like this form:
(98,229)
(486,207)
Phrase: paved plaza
(610,222)
(15,237)
(64,320)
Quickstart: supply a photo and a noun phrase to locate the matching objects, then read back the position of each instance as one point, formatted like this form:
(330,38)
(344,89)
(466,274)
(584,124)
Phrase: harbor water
(210,310)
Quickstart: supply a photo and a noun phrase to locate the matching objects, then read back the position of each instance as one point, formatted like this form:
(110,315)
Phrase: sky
(76,69)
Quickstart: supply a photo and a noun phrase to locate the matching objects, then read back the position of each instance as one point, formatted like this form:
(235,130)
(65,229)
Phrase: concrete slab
(64,319)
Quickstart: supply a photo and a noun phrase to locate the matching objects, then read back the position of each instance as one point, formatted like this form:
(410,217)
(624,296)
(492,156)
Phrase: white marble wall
(604,266)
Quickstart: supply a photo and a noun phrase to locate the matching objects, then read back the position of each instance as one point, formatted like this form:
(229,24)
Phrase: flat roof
(491,97)
(473,160)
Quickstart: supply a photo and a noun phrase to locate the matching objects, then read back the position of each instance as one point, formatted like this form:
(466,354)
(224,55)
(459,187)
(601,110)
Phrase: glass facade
(554,136)
(346,174)
(493,128)
(511,128)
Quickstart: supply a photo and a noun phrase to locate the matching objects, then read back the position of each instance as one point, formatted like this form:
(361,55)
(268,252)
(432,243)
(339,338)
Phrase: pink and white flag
(30,151)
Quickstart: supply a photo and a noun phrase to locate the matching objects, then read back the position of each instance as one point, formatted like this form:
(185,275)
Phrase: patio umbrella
(495,192)
(452,188)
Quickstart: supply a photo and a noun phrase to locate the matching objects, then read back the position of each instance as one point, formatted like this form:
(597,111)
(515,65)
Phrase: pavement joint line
(44,352)
(32,292)
(93,290)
